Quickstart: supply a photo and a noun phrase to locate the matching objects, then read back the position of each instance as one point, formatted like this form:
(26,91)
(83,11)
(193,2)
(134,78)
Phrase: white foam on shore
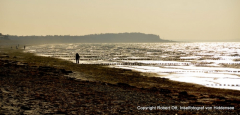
(191,75)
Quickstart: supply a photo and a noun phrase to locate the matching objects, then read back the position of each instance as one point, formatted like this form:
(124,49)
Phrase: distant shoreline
(92,38)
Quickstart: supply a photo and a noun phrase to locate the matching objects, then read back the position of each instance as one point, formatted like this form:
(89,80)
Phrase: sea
(211,64)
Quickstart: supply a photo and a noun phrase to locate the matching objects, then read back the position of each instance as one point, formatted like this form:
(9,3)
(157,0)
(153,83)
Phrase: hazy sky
(182,20)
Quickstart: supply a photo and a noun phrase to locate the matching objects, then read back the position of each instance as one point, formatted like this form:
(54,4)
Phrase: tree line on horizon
(92,38)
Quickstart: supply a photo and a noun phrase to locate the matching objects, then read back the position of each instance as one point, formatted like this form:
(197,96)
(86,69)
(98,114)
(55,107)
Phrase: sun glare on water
(209,64)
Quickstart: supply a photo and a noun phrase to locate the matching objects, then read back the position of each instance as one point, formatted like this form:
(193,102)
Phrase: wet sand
(36,86)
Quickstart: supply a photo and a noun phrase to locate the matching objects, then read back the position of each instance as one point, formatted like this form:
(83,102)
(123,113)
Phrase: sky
(179,20)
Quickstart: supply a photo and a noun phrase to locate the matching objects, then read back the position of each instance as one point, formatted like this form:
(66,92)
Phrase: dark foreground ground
(29,87)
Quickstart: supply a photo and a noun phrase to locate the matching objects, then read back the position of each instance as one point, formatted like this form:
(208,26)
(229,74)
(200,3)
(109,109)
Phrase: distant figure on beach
(77,58)
(24,47)
(11,47)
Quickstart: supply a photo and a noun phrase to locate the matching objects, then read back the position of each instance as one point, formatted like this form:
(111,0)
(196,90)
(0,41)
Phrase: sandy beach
(41,85)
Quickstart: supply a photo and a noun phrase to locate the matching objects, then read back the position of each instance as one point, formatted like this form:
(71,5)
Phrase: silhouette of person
(77,58)
(24,47)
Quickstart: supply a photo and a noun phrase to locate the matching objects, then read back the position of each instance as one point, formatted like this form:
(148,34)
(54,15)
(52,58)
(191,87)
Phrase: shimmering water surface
(209,64)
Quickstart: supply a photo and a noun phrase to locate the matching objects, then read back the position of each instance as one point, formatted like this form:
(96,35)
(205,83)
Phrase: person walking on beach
(24,46)
(77,58)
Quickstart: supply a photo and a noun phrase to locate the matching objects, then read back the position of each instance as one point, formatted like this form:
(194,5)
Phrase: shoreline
(182,67)
(148,87)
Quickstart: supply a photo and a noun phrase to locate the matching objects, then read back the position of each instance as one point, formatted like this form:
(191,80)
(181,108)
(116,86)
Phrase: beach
(33,84)
(183,62)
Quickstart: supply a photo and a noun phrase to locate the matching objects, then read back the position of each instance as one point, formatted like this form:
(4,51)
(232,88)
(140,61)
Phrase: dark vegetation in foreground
(33,84)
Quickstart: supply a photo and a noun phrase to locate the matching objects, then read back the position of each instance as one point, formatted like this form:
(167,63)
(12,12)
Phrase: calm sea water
(209,64)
